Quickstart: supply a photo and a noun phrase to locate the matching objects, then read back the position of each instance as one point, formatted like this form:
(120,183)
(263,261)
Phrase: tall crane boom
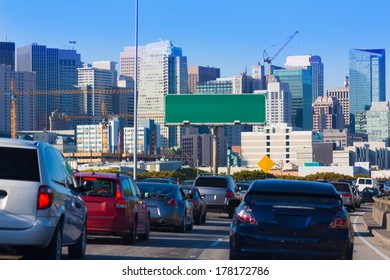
(269,59)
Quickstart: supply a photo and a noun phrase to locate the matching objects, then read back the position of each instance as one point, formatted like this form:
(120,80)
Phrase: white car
(40,206)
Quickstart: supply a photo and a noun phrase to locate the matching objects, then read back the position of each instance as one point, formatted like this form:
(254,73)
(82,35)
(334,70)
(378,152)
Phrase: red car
(115,206)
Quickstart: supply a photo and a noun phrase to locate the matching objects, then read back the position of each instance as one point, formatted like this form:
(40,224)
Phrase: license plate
(210,197)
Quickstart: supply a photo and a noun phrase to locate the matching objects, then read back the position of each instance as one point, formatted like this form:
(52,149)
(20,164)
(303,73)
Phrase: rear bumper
(108,225)
(332,246)
(39,235)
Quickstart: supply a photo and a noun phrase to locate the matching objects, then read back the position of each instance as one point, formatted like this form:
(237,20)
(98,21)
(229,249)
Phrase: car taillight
(346,195)
(45,197)
(340,222)
(171,202)
(245,216)
(120,201)
(193,202)
(229,194)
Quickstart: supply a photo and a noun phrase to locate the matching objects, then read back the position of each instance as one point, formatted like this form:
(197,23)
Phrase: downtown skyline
(219,34)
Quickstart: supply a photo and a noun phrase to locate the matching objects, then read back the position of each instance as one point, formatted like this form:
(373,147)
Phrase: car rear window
(19,164)
(341,187)
(211,182)
(300,199)
(97,186)
(164,190)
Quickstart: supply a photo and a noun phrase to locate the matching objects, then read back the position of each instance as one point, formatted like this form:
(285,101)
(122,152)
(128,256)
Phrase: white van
(362,183)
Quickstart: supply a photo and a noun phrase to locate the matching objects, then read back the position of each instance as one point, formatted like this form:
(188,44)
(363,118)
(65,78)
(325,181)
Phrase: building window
(268,144)
(288,143)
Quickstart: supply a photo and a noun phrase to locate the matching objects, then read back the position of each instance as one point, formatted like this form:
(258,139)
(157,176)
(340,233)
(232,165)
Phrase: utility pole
(214,132)
(136,96)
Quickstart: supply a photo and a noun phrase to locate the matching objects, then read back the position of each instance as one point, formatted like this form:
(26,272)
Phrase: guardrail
(381,215)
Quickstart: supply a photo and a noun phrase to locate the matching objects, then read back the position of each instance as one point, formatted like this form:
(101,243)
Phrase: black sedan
(291,219)
(194,197)
(368,194)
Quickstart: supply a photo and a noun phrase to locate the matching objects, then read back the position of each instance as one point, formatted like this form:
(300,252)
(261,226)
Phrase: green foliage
(327,176)
(251,175)
(361,176)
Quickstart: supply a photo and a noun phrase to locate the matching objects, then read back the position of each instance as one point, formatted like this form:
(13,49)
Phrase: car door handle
(3,194)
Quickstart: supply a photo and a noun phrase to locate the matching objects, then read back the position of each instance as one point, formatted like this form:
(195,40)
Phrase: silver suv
(218,192)
(40,206)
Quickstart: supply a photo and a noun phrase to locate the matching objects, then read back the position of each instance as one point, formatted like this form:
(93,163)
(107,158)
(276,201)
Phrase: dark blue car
(291,219)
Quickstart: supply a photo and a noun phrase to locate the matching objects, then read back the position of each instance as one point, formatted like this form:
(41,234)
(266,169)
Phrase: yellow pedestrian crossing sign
(265,164)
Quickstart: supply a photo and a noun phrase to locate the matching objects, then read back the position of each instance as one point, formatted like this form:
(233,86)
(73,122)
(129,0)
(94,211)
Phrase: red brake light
(346,195)
(340,222)
(229,194)
(89,178)
(245,216)
(120,201)
(171,202)
(45,197)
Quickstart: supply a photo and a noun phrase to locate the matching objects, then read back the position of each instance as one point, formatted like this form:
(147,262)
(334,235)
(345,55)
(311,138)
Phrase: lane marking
(216,242)
(365,241)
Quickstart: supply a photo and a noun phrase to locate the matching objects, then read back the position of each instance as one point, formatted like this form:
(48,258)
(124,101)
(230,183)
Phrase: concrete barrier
(381,217)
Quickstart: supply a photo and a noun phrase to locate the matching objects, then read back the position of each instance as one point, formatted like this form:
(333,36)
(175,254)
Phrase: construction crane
(269,59)
(15,94)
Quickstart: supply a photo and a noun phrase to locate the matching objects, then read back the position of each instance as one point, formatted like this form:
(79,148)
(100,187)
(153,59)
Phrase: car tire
(77,251)
(191,225)
(54,250)
(349,255)
(132,236)
(182,227)
(204,218)
(198,217)
(145,236)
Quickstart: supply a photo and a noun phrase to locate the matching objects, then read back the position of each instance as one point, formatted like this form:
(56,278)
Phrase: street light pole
(136,96)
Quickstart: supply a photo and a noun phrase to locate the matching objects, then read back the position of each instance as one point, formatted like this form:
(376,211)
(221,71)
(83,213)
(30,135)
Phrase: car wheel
(77,251)
(191,225)
(132,236)
(204,218)
(198,217)
(349,255)
(182,227)
(145,236)
(54,250)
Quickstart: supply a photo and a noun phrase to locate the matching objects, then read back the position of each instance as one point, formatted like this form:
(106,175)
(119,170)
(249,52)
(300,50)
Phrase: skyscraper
(162,70)
(55,70)
(342,95)
(7,54)
(300,85)
(200,75)
(317,70)
(367,79)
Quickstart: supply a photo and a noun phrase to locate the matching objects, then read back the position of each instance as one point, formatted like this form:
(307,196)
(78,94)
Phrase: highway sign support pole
(135,160)
(214,133)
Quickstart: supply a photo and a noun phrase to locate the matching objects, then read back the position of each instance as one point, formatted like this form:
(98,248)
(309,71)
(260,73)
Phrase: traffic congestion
(49,211)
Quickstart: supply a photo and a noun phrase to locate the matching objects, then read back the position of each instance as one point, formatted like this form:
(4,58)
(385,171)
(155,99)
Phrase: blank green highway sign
(214,109)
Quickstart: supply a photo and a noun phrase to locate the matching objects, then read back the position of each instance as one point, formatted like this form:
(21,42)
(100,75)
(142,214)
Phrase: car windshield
(242,186)
(97,186)
(211,182)
(157,180)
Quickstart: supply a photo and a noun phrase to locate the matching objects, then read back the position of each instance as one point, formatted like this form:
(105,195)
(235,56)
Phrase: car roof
(157,184)
(293,186)
(99,175)
(18,143)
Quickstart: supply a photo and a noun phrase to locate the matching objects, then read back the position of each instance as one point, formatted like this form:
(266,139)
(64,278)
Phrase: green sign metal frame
(215,109)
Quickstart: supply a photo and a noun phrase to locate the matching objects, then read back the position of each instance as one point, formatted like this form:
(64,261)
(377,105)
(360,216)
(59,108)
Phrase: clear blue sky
(230,35)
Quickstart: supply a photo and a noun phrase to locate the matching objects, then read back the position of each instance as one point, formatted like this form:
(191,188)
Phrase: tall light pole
(136,96)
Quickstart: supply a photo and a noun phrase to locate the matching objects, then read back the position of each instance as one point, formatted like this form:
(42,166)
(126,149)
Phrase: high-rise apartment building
(300,85)
(7,54)
(55,70)
(259,78)
(342,95)
(278,105)
(317,70)
(378,122)
(198,75)
(327,114)
(25,103)
(98,76)
(367,77)
(162,70)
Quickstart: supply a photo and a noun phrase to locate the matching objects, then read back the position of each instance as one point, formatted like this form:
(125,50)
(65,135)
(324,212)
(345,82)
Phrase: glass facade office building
(300,84)
(367,79)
